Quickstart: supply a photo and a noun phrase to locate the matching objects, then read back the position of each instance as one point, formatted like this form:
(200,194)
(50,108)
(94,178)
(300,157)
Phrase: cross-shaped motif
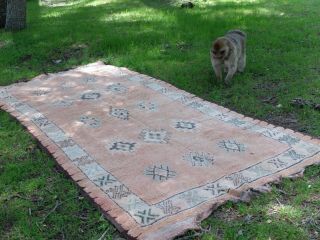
(120,113)
(104,180)
(155,136)
(185,125)
(160,173)
(91,96)
(122,146)
(199,159)
(146,216)
(231,146)
(216,189)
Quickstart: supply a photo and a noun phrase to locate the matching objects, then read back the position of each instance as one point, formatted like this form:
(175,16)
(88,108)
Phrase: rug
(155,159)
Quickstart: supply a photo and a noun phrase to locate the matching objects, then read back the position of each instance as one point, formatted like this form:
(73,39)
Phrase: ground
(158,38)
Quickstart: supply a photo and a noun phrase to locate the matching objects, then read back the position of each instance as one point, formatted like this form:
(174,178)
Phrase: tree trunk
(3,11)
(16,14)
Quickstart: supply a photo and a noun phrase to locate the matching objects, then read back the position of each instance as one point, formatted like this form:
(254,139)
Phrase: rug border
(108,207)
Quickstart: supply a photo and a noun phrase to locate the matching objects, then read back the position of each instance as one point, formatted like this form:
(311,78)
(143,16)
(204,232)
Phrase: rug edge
(75,174)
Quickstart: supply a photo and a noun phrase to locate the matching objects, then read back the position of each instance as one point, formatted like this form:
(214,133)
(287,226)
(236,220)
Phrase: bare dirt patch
(75,51)
(287,120)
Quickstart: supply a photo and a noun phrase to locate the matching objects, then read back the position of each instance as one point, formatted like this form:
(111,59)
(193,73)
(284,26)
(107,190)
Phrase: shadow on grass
(160,39)
(136,34)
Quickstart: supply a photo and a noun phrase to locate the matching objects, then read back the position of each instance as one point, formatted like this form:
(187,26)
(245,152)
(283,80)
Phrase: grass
(159,39)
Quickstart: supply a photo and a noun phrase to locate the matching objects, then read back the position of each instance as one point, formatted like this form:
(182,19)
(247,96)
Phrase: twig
(278,201)
(16,195)
(283,192)
(52,210)
(205,230)
(104,234)
(197,234)
(22,197)
(58,204)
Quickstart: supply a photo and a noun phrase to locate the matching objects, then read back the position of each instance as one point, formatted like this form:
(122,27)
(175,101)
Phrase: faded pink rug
(155,159)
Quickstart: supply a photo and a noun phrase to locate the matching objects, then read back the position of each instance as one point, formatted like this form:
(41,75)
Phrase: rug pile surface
(155,159)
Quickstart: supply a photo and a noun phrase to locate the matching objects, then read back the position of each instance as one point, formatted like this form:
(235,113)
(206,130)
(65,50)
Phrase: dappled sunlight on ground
(285,211)
(99,2)
(59,3)
(133,15)
(159,39)
(5,43)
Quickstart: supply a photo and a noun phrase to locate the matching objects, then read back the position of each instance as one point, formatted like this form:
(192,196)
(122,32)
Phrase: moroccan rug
(155,159)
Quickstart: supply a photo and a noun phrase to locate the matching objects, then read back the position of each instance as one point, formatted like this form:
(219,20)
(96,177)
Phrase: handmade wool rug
(155,159)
